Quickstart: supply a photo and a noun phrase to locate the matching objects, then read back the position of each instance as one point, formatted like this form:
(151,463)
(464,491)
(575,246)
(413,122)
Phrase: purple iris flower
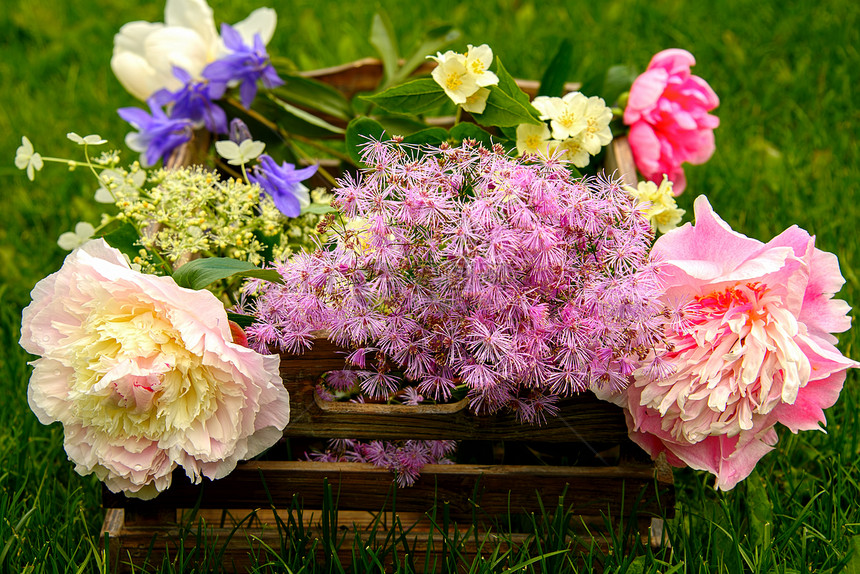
(281,182)
(157,134)
(194,101)
(245,64)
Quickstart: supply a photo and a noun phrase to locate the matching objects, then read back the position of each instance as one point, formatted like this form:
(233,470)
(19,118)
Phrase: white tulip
(144,53)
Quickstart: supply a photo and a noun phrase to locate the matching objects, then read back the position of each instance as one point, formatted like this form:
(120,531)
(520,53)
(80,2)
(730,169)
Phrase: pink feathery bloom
(144,376)
(754,348)
(668,117)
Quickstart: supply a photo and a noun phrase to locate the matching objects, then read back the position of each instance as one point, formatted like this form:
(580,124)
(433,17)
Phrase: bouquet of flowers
(487,254)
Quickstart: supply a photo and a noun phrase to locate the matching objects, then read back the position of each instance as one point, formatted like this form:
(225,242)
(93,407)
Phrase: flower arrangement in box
(493,259)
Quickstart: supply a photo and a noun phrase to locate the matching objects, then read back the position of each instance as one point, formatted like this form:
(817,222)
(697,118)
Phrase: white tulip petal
(197,16)
(261,21)
(173,46)
(135,74)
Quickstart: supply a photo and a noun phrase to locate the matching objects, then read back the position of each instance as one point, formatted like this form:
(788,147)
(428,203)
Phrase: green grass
(787,153)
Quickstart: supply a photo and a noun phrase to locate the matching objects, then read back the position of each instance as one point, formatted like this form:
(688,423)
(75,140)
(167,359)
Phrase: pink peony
(668,117)
(144,377)
(748,345)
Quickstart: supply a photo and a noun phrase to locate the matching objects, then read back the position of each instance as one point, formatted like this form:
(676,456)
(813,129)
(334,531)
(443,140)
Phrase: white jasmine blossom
(534,139)
(478,61)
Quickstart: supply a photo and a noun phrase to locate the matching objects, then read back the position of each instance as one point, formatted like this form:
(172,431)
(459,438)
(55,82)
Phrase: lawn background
(787,74)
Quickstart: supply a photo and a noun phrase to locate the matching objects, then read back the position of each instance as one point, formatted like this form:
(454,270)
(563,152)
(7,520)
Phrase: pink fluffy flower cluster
(749,345)
(144,377)
(405,458)
(463,266)
(667,112)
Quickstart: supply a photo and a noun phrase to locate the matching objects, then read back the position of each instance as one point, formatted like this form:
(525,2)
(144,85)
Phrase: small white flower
(72,240)
(26,158)
(566,114)
(478,61)
(597,133)
(477,102)
(574,151)
(239,154)
(92,139)
(657,204)
(454,77)
(533,139)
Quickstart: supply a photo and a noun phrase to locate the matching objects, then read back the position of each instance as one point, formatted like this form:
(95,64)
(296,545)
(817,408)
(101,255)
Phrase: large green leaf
(434,41)
(358,133)
(618,80)
(382,38)
(466,130)
(415,97)
(509,86)
(315,95)
(305,116)
(400,125)
(504,110)
(556,74)
(199,273)
(430,136)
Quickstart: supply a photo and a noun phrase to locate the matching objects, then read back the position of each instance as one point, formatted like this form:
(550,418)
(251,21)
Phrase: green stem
(459,113)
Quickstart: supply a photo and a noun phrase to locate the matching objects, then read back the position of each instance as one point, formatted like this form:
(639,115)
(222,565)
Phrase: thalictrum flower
(282,183)
(239,154)
(158,135)
(74,239)
(194,101)
(245,64)
(27,158)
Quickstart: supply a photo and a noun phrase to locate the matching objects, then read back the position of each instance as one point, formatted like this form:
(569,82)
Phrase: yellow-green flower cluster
(183,213)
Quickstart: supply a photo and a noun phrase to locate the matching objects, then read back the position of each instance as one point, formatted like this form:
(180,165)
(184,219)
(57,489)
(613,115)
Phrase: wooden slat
(581,419)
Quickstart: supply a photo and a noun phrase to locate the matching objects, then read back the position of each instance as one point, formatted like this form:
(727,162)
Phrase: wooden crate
(602,473)
(138,529)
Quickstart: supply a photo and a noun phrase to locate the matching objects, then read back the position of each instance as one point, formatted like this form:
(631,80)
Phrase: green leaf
(243,321)
(358,133)
(305,116)
(509,86)
(853,565)
(431,136)
(415,97)
(400,125)
(556,74)
(760,510)
(199,273)
(504,110)
(466,130)
(318,209)
(382,38)
(315,95)
(434,41)
(123,236)
(618,80)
